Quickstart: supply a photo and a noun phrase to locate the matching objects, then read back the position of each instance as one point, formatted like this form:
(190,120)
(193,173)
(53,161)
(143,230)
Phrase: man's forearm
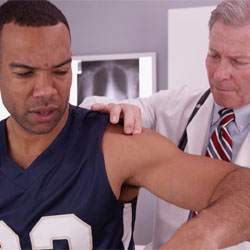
(224,223)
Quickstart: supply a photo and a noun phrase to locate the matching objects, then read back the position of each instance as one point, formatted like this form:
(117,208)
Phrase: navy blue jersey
(63,200)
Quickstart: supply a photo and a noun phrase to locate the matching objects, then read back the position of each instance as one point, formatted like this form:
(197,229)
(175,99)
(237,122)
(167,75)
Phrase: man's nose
(44,86)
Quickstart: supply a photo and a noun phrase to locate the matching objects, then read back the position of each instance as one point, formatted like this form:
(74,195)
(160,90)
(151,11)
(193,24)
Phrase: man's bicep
(143,160)
(185,180)
(150,160)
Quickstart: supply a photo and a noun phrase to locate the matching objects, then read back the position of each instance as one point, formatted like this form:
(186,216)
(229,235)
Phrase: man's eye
(61,72)
(25,74)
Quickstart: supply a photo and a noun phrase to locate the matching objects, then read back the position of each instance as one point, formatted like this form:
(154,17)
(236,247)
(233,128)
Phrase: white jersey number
(60,227)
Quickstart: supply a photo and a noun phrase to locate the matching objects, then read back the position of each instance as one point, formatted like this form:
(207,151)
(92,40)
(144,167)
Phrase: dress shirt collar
(242,116)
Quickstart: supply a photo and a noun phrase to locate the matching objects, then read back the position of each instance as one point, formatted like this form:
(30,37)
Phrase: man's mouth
(43,114)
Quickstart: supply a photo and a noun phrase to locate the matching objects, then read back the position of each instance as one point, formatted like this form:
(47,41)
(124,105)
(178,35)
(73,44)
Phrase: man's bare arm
(229,206)
(193,182)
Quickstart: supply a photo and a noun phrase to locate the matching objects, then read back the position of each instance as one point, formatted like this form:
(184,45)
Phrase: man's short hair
(231,12)
(33,13)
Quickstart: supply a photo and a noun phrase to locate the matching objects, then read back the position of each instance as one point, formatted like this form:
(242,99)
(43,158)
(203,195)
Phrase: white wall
(188,38)
(3,112)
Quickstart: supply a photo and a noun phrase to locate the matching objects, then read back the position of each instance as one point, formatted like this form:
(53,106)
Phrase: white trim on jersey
(127,225)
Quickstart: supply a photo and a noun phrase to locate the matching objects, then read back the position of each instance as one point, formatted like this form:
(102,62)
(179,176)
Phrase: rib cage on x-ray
(117,79)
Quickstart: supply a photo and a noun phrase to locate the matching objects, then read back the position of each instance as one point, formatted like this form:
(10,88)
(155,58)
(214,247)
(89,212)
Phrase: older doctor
(168,112)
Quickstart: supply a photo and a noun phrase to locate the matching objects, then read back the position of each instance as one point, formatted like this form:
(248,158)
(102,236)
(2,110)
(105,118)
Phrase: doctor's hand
(130,114)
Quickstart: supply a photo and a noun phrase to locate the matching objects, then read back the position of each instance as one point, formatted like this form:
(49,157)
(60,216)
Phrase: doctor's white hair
(231,12)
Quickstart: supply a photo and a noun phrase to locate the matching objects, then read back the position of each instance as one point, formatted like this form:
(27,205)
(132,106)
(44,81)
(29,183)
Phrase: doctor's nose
(223,71)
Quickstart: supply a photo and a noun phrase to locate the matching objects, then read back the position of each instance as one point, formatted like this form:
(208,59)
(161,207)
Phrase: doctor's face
(228,64)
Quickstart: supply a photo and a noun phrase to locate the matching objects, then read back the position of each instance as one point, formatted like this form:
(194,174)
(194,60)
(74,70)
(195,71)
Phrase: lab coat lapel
(198,128)
(243,157)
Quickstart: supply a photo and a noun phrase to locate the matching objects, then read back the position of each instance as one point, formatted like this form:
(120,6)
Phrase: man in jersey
(69,180)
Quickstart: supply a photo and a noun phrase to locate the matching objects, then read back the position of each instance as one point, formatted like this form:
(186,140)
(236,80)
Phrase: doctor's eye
(214,56)
(237,62)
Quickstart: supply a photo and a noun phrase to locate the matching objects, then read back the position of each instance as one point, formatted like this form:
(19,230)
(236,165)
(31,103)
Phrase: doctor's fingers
(114,110)
(130,114)
(132,118)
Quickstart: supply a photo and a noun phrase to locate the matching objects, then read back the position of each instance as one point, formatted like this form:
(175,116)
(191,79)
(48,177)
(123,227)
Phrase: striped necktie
(220,143)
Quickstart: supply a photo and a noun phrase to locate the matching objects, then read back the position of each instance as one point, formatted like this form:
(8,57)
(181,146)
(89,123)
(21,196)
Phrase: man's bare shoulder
(132,154)
(130,159)
(115,134)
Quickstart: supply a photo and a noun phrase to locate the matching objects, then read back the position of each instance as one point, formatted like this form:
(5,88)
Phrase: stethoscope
(183,141)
